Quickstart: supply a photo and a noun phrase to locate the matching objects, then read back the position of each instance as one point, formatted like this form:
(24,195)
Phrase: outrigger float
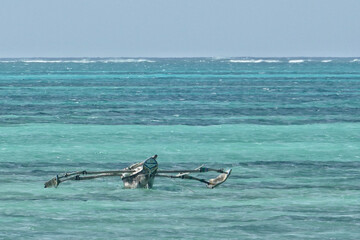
(142,175)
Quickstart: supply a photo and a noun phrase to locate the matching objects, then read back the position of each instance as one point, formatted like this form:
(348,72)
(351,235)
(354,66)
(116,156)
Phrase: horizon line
(165,57)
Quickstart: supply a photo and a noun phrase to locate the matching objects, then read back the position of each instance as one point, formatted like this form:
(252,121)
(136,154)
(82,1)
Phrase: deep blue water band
(179,91)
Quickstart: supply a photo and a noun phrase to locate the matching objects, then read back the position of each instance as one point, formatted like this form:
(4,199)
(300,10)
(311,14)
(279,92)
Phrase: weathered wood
(198,170)
(141,175)
(93,172)
(219,179)
(183,176)
(212,183)
(54,182)
(78,177)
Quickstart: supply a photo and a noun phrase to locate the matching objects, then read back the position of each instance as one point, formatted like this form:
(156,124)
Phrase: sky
(179,28)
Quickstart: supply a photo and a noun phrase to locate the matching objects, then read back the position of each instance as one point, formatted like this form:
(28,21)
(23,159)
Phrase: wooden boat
(142,175)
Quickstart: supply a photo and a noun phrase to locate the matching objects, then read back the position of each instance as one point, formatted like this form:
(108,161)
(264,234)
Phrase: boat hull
(144,174)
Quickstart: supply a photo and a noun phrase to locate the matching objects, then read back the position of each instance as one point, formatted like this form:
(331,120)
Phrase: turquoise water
(289,129)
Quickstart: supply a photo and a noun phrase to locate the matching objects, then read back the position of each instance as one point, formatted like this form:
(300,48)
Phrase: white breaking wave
(126,60)
(253,61)
(356,60)
(78,60)
(326,61)
(57,61)
(246,61)
(7,61)
(272,61)
(296,61)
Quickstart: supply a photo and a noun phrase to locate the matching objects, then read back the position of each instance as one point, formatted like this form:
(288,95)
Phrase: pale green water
(288,182)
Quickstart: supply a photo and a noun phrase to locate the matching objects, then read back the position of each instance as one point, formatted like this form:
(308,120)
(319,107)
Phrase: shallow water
(289,131)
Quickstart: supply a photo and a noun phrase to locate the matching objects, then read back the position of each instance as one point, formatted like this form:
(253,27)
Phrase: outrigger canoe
(142,175)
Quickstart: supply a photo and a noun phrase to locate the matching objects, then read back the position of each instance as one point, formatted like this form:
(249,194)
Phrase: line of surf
(254,61)
(83,61)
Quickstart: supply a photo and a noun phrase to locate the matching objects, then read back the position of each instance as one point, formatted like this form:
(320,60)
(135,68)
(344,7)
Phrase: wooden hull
(144,174)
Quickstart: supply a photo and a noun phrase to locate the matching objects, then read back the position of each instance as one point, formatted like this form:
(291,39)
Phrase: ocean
(289,128)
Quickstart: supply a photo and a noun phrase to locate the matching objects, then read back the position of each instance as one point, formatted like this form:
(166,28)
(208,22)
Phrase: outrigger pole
(141,175)
(212,183)
(54,182)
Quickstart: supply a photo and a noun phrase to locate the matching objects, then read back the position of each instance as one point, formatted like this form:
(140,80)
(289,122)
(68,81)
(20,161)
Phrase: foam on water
(83,61)
(126,61)
(296,61)
(57,61)
(253,61)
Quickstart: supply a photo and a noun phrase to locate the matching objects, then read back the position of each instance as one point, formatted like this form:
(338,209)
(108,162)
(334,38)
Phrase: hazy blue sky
(169,28)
